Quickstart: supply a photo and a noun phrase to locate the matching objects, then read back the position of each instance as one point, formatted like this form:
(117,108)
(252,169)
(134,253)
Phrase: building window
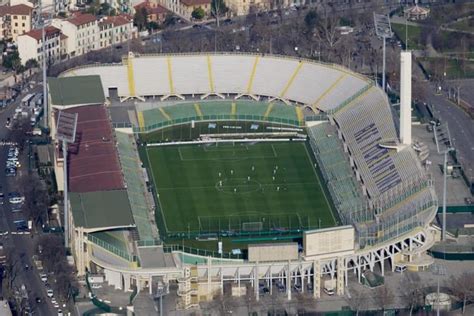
(23,24)
(23,17)
(15,17)
(16,24)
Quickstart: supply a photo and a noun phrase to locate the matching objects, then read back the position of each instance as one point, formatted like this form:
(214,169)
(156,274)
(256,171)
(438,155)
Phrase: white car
(96,286)
(60,312)
(16,200)
(50,293)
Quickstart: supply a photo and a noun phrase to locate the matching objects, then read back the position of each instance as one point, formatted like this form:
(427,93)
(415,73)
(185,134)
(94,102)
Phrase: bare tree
(463,286)
(327,29)
(12,267)
(357,301)
(37,198)
(383,297)
(20,129)
(412,293)
(250,299)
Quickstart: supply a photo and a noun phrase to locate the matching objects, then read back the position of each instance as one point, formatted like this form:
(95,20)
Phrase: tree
(37,198)
(20,128)
(198,13)
(169,20)
(218,8)
(411,293)
(140,19)
(153,26)
(311,19)
(463,286)
(383,297)
(327,29)
(357,301)
(53,252)
(12,267)
(31,63)
(12,61)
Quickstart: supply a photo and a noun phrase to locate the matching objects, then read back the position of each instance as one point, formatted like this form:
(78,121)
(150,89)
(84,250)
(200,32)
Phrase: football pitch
(238,187)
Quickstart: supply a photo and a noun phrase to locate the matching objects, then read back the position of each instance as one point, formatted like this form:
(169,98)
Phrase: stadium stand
(151,78)
(136,186)
(249,108)
(183,82)
(282,111)
(364,125)
(212,108)
(396,210)
(336,171)
(116,238)
(233,75)
(301,81)
(269,82)
(154,116)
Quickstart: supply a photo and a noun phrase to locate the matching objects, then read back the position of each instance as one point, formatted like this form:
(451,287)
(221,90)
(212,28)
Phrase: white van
(37,132)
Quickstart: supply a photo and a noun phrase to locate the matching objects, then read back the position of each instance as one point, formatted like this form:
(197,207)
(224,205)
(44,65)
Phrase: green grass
(414,35)
(192,198)
(463,25)
(455,68)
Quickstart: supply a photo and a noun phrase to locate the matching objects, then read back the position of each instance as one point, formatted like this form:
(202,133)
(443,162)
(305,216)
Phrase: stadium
(204,169)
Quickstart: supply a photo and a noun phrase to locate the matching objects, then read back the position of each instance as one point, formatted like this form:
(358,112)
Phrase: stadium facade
(383,198)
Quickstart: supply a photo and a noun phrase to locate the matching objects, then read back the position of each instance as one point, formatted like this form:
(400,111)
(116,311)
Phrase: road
(461,128)
(22,245)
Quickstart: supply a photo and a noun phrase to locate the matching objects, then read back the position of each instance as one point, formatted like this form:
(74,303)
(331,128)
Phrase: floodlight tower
(66,132)
(444,146)
(41,22)
(383,29)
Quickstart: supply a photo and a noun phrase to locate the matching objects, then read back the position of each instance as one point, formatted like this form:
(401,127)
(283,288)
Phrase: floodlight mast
(383,29)
(66,132)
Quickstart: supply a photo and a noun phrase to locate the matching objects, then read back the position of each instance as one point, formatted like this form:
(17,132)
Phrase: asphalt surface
(461,128)
(21,244)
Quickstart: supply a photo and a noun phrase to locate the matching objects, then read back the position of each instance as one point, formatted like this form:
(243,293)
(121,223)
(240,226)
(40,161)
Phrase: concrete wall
(273,252)
(328,241)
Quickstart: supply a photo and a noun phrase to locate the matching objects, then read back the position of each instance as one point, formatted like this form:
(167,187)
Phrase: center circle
(238,185)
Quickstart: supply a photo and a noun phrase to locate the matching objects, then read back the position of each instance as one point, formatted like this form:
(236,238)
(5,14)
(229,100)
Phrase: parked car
(44,277)
(15,198)
(50,293)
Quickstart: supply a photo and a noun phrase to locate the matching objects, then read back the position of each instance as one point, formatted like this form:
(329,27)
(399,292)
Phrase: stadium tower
(405,98)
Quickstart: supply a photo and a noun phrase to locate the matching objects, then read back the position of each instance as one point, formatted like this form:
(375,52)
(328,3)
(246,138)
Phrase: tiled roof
(152,8)
(116,20)
(82,19)
(158,10)
(48,32)
(195,2)
(19,9)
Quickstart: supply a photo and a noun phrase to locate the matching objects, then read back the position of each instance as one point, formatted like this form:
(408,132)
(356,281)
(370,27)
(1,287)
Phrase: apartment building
(155,11)
(115,29)
(15,20)
(82,31)
(243,7)
(30,45)
(186,7)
